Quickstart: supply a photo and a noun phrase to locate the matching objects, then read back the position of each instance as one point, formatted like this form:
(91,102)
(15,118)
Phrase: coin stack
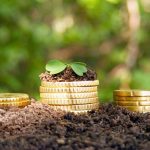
(77,97)
(14,99)
(134,100)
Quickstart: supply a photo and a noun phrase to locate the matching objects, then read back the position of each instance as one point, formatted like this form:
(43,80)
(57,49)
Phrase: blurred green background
(111,36)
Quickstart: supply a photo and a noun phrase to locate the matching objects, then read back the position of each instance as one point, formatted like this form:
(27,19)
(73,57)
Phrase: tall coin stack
(79,96)
(14,99)
(134,100)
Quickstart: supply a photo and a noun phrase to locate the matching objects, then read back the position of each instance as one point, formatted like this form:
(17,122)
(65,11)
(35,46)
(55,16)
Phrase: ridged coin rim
(14,100)
(76,107)
(68,89)
(69,101)
(133,103)
(131,93)
(131,98)
(127,103)
(15,104)
(13,96)
(70,84)
(69,95)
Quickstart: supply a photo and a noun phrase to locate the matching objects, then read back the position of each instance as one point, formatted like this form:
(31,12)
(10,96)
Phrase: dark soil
(37,127)
(68,75)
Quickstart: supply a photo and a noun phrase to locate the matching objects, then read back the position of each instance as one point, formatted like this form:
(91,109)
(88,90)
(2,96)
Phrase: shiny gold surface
(131,98)
(14,99)
(70,101)
(68,95)
(68,89)
(77,97)
(76,107)
(13,96)
(131,93)
(127,103)
(70,84)
(15,104)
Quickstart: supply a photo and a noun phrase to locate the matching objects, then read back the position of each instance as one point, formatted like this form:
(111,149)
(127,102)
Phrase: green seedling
(57,66)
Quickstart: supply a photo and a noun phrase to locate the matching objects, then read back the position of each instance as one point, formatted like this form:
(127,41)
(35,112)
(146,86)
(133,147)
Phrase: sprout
(57,66)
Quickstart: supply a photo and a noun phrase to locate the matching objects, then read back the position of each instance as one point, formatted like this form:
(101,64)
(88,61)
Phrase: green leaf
(81,63)
(55,66)
(79,68)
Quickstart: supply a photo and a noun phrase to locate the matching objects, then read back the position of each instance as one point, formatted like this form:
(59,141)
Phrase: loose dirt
(37,127)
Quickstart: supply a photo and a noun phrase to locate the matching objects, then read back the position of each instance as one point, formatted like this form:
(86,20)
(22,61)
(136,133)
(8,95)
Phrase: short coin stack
(14,99)
(134,100)
(79,96)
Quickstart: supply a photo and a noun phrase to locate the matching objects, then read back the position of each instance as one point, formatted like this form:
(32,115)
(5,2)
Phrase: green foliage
(56,66)
(93,31)
(114,1)
(141,79)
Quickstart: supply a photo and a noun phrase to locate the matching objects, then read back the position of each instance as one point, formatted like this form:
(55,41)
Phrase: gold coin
(131,93)
(135,108)
(145,111)
(13,100)
(70,101)
(133,103)
(16,104)
(142,109)
(147,108)
(145,103)
(127,103)
(70,84)
(76,107)
(68,95)
(80,111)
(12,97)
(131,98)
(68,89)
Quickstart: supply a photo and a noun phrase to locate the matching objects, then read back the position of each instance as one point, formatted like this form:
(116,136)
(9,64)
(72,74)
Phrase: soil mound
(37,127)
